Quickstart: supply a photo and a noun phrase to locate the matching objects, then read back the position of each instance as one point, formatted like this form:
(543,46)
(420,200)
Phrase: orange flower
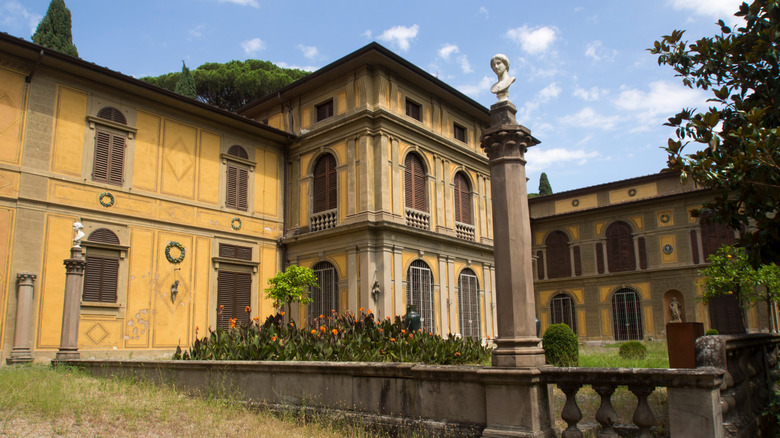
(430,334)
(281,313)
(335,332)
(314,332)
(403,332)
(256,318)
(457,353)
(361,309)
(273,338)
(233,322)
(392,339)
(321,317)
(411,336)
(387,318)
(322,328)
(380,330)
(247,309)
(488,337)
(369,311)
(196,331)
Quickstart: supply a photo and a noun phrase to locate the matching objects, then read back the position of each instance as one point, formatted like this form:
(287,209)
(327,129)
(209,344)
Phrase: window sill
(101,305)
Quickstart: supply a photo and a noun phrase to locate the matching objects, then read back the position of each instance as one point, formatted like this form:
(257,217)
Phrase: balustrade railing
(465,231)
(323,220)
(418,219)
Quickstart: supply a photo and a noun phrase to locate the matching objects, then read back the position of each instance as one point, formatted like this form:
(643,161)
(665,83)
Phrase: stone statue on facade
(500,65)
(675,307)
(77,227)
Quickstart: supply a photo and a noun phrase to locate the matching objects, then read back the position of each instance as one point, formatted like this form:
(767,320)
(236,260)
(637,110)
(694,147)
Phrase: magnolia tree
(291,286)
(730,272)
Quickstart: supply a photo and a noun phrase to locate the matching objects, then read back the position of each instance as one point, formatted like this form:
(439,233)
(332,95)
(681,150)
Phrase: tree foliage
(54,30)
(738,135)
(233,84)
(291,286)
(730,272)
(186,84)
(544,185)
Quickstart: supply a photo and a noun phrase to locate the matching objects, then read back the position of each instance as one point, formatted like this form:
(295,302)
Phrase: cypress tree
(186,84)
(54,30)
(544,185)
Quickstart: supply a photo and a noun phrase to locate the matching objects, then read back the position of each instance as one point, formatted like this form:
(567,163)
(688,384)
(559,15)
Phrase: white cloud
(708,8)
(197,31)
(447,50)
(549,92)
(597,52)
(367,34)
(400,36)
(589,118)
(594,93)
(15,16)
(310,52)
(533,40)
(663,97)
(253,46)
(474,90)
(252,3)
(541,158)
(465,65)
(484,12)
(299,67)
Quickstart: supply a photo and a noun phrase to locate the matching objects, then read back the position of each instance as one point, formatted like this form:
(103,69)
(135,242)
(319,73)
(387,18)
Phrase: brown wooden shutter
(116,165)
(234,292)
(325,110)
(620,248)
(100,279)
(235,251)
(459,132)
(238,151)
(558,258)
(694,247)
(599,258)
(642,252)
(242,189)
(415,189)
(103,235)
(714,235)
(325,188)
(102,151)
(462,199)
(577,261)
(413,110)
(113,114)
(540,265)
(109,158)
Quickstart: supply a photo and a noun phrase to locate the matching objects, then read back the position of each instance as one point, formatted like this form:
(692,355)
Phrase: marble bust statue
(500,65)
(77,227)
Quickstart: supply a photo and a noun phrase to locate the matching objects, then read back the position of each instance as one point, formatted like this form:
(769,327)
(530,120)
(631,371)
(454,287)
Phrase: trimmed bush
(633,350)
(561,347)
(711,332)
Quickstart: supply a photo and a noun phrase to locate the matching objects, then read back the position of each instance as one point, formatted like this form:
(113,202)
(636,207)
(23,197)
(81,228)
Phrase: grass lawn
(607,356)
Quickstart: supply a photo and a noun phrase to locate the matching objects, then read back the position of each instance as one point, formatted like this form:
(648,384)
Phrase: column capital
(507,141)
(24,277)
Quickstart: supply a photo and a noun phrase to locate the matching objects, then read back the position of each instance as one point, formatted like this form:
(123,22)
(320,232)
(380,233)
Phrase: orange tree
(291,286)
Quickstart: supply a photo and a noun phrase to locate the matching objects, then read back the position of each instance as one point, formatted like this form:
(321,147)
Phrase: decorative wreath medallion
(102,199)
(178,246)
(631,192)
(235,223)
(665,217)
(575,202)
(668,249)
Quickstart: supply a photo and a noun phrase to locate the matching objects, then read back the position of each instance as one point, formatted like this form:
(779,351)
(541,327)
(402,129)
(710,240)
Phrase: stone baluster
(643,416)
(571,413)
(606,415)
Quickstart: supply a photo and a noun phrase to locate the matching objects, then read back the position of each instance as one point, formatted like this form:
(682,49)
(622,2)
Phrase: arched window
(558,256)
(324,191)
(626,315)
(714,235)
(109,162)
(101,276)
(419,292)
(462,199)
(326,297)
(620,248)
(237,182)
(562,311)
(468,304)
(414,179)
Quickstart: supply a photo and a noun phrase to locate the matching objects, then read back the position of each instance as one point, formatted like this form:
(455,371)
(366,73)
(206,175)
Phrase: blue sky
(586,85)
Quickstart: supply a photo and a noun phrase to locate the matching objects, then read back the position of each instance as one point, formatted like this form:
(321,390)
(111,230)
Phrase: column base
(517,403)
(518,353)
(67,355)
(19,355)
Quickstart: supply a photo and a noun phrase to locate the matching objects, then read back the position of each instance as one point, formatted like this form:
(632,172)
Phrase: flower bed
(335,337)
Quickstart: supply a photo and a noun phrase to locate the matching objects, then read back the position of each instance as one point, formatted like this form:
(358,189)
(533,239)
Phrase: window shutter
(325,110)
(235,251)
(325,189)
(238,151)
(462,199)
(599,258)
(242,189)
(415,184)
(243,295)
(113,114)
(577,261)
(694,247)
(558,258)
(459,133)
(234,292)
(540,265)
(231,197)
(413,110)
(103,235)
(102,151)
(100,279)
(714,235)
(117,160)
(620,248)
(642,252)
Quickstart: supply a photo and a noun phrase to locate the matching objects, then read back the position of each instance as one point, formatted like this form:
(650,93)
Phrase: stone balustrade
(323,220)
(418,219)
(465,231)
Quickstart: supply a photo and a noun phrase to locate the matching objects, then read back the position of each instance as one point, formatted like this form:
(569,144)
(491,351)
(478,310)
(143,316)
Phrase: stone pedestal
(681,343)
(517,403)
(505,144)
(21,352)
(71,309)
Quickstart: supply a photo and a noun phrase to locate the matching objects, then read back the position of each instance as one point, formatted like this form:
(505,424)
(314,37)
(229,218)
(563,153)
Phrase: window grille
(325,297)
(562,311)
(419,292)
(468,304)
(626,315)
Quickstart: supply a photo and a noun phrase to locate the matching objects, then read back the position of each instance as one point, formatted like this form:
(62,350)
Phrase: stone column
(505,144)
(24,301)
(71,309)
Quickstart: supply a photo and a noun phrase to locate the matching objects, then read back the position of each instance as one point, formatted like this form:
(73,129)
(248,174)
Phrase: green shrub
(711,332)
(561,348)
(336,337)
(633,350)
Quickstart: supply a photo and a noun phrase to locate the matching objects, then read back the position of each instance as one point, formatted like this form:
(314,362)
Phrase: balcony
(465,231)
(418,219)
(323,220)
